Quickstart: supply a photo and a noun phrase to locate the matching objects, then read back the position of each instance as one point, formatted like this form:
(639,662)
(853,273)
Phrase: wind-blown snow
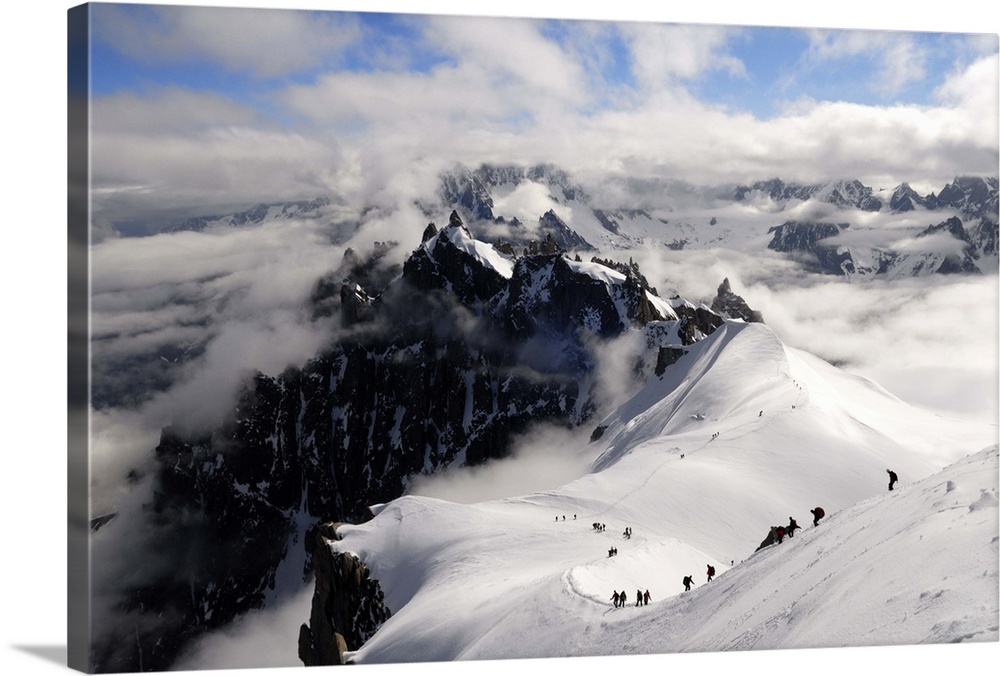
(601,273)
(740,434)
(481,251)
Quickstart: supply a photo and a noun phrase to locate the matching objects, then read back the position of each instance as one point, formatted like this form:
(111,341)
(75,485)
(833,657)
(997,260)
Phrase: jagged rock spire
(730,304)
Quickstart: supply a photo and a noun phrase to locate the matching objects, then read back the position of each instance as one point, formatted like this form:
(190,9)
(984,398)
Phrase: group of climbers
(688,581)
(621,598)
(778,533)
(775,535)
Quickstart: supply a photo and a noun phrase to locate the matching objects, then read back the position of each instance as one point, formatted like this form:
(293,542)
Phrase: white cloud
(528,200)
(194,153)
(898,57)
(974,88)
(264,42)
(664,55)
(260,639)
(512,53)
(543,458)
(504,92)
(944,327)
(243,294)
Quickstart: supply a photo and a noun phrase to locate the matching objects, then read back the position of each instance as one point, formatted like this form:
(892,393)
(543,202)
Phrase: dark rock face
(444,366)
(611,220)
(854,194)
(696,323)
(567,239)
(797,236)
(960,262)
(346,285)
(440,266)
(904,198)
(977,201)
(469,192)
(775,189)
(851,194)
(348,606)
(973,196)
(729,304)
(667,356)
(807,238)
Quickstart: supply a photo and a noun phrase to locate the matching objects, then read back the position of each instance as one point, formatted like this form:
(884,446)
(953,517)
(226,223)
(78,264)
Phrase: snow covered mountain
(445,362)
(741,433)
(257,214)
(954,231)
(880,233)
(461,351)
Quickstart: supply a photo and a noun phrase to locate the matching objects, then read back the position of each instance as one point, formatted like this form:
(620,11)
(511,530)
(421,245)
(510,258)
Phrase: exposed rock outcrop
(348,606)
(729,304)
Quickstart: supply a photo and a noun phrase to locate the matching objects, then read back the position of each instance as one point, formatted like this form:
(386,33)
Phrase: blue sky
(322,101)
(779,64)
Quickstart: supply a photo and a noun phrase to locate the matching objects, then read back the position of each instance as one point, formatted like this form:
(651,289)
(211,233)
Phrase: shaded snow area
(737,436)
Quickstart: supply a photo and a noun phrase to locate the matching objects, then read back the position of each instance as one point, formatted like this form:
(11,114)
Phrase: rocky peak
(561,234)
(471,189)
(444,263)
(905,198)
(806,239)
(728,304)
(854,194)
(972,195)
(802,236)
(953,226)
(362,276)
(463,188)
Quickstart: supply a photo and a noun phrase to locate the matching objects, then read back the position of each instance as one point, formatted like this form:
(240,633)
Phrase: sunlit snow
(741,434)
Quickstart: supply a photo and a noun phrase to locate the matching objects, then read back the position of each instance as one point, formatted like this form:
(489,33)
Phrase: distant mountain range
(864,233)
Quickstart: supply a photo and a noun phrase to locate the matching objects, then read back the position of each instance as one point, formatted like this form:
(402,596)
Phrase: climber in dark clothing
(818,514)
(638,597)
(615,598)
(791,527)
(645,598)
(711,572)
(687,583)
(892,478)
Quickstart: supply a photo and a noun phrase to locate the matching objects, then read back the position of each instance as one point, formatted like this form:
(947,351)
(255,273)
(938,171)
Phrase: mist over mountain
(882,232)
(447,365)
(448,351)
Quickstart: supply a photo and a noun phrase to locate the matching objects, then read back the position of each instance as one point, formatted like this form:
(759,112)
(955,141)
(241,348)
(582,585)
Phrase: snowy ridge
(481,251)
(738,435)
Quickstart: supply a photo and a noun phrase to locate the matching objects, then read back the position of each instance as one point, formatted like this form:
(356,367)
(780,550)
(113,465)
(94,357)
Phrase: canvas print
(426,338)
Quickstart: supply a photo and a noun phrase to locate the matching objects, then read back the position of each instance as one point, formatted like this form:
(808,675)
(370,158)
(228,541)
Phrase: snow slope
(740,434)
